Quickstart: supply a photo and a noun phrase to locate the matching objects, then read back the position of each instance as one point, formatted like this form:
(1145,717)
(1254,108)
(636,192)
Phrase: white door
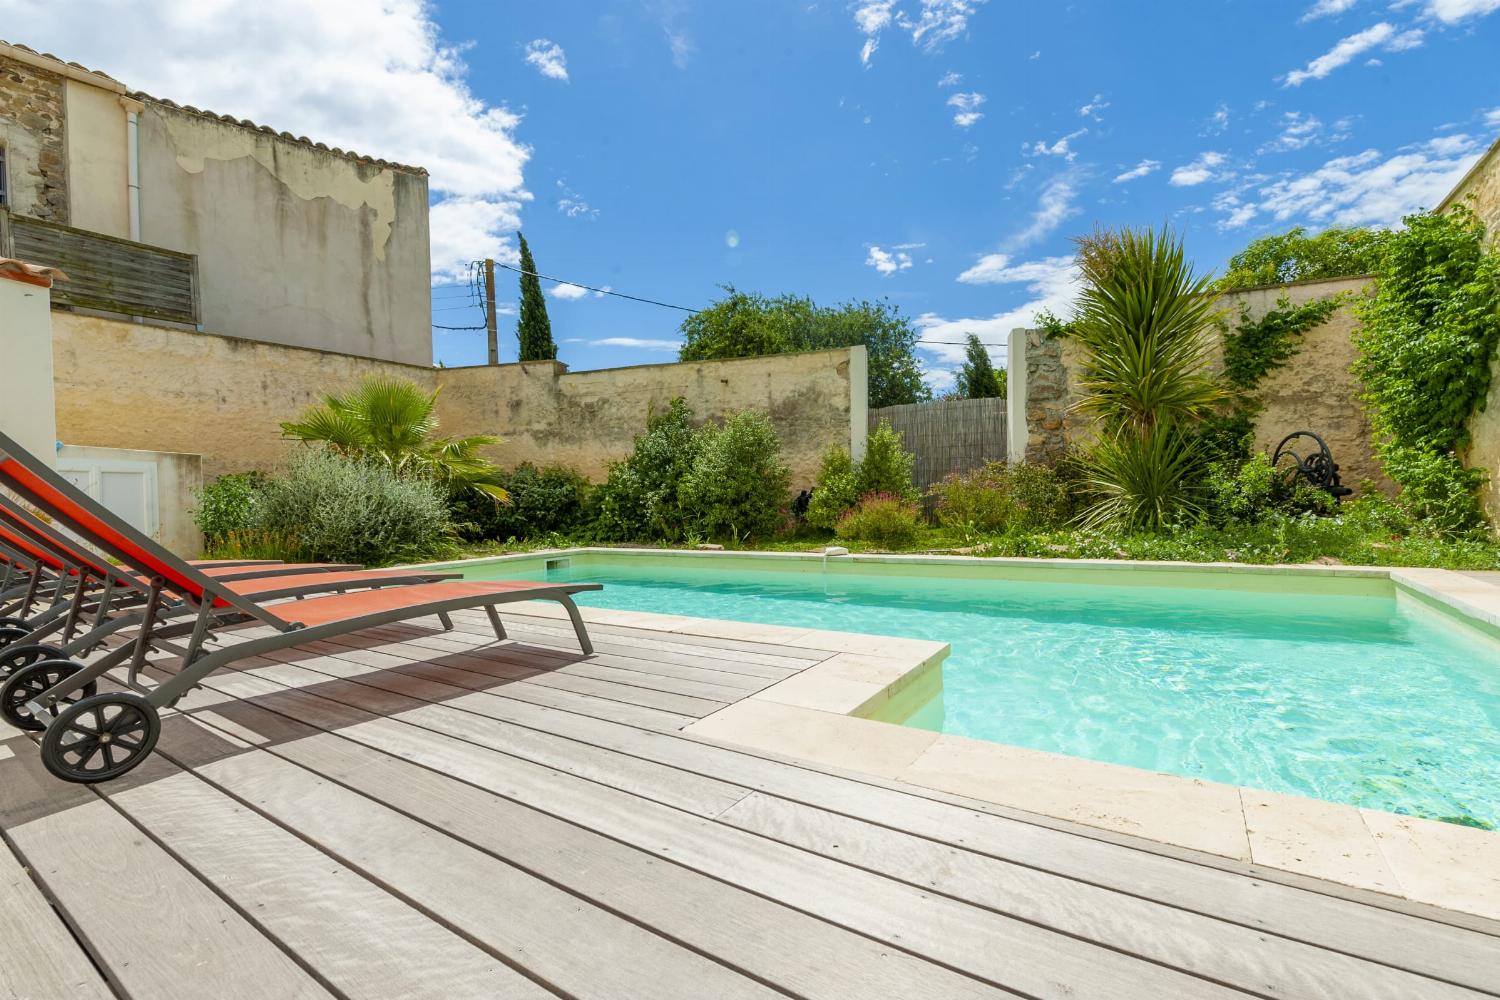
(126,489)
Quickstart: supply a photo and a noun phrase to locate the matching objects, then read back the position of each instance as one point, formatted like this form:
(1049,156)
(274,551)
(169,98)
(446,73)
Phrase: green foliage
(977,379)
(1295,256)
(737,486)
(1436,488)
(751,325)
(639,499)
(336,509)
(835,490)
(1249,491)
(1142,319)
(1426,342)
(1001,497)
(533,328)
(886,467)
(545,501)
(1226,437)
(228,505)
(882,519)
(1051,325)
(392,423)
(1259,346)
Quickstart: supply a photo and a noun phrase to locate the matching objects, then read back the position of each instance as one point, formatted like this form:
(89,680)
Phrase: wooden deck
(411,813)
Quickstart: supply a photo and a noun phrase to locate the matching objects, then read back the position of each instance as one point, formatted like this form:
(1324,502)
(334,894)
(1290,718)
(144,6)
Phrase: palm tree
(392,422)
(1145,320)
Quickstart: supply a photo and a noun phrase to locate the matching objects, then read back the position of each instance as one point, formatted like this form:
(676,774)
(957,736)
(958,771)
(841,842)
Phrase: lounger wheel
(15,657)
(12,629)
(30,682)
(100,737)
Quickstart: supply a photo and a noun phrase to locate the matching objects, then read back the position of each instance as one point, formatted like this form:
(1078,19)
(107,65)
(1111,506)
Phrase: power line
(600,291)
(437,326)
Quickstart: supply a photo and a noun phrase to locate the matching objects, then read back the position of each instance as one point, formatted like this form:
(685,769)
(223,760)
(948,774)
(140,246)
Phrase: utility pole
(489,311)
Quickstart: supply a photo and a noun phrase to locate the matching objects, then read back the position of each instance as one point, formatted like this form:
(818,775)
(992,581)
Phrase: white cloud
(1062,147)
(1200,170)
(951,79)
(1298,131)
(1383,35)
(968,108)
(1138,171)
(1366,189)
(936,23)
(358,74)
(1054,206)
(1453,11)
(1492,116)
(1051,283)
(643,344)
(567,292)
(888,262)
(1092,108)
(1327,8)
(1218,121)
(548,58)
(571,203)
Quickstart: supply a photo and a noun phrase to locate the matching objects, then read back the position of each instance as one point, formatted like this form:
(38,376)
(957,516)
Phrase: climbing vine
(1426,343)
(1259,346)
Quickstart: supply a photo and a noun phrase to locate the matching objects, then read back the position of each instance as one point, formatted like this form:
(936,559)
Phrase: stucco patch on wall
(33,129)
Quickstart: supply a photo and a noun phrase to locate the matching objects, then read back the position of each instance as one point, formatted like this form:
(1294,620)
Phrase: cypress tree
(533,329)
(978,378)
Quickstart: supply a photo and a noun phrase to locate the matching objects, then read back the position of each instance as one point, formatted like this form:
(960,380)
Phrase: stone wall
(33,132)
(126,385)
(1314,390)
(1480,191)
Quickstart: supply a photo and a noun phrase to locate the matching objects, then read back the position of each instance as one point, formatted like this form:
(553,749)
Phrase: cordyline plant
(1143,318)
(391,422)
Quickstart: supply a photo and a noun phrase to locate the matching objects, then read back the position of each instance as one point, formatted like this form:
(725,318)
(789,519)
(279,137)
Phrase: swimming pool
(1335,687)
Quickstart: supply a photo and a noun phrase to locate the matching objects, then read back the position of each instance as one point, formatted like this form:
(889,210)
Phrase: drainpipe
(133,111)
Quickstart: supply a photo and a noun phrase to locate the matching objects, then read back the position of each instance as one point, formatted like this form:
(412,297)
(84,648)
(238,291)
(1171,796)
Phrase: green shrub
(253,543)
(737,485)
(998,497)
(639,501)
(882,519)
(834,491)
(886,467)
(336,509)
(228,505)
(1436,488)
(550,500)
(1248,491)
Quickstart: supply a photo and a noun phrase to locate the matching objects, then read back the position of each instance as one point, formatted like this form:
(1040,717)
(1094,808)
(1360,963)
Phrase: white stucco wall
(98,196)
(27,410)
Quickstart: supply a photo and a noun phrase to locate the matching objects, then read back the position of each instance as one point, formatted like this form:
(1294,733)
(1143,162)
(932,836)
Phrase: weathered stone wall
(1480,191)
(296,245)
(1314,390)
(125,385)
(33,131)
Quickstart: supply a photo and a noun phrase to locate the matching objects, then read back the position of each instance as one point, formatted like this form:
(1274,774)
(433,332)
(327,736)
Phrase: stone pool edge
(832,714)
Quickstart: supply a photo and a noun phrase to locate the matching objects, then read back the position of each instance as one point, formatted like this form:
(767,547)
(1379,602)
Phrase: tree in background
(1295,256)
(978,379)
(534,329)
(751,325)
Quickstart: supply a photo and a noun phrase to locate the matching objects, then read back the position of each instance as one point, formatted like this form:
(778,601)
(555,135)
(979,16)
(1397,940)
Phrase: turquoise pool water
(1355,697)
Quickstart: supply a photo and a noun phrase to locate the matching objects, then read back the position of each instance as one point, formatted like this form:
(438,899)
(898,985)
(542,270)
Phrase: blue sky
(938,153)
(694,144)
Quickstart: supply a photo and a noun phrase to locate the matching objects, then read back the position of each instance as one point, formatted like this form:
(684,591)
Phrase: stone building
(233,227)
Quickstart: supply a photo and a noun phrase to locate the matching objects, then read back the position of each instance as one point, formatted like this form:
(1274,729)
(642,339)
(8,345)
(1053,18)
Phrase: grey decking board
(802,955)
(1251,960)
(364,942)
(680,703)
(95,863)
(1332,969)
(580,950)
(39,957)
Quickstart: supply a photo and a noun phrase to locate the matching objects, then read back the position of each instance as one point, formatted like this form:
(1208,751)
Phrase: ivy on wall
(1259,346)
(1426,342)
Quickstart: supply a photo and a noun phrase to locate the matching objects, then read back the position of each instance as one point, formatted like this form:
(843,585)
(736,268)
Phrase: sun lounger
(103,735)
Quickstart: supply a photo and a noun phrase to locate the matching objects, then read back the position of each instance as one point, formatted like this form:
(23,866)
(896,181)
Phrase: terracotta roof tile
(11,265)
